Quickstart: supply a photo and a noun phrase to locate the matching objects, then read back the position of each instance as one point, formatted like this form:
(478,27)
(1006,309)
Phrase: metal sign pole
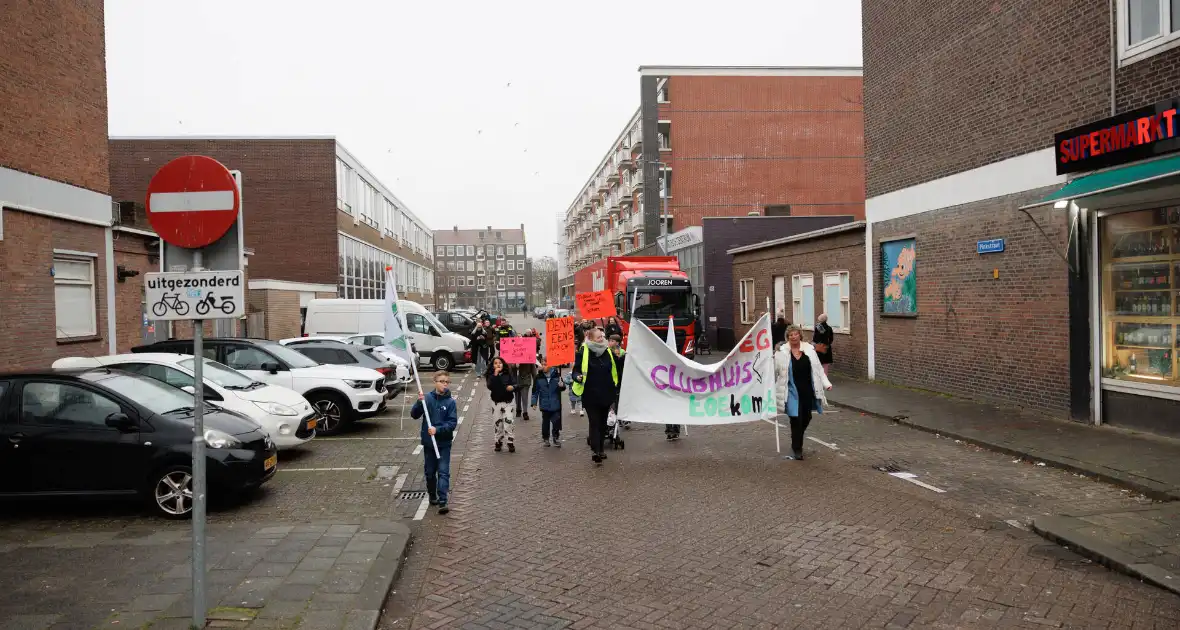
(199,493)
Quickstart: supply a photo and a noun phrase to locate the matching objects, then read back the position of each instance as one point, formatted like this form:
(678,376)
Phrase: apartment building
(57,241)
(720,142)
(482,268)
(316,222)
(1026,196)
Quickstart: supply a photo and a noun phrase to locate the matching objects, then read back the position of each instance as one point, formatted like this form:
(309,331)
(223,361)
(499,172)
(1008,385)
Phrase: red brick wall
(288,197)
(132,253)
(1148,81)
(838,252)
(1002,340)
(740,143)
(53,87)
(27,304)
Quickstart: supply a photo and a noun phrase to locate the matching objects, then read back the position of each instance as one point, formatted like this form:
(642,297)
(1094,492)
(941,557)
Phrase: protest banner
(663,387)
(559,341)
(595,305)
(518,349)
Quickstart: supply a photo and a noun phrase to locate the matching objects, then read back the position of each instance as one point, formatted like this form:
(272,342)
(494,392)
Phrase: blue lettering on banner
(993,246)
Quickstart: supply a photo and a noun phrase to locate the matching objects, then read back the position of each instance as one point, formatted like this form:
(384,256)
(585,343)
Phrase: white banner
(663,387)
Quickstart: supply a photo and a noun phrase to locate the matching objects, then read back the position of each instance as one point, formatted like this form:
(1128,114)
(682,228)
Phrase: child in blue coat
(444,418)
(547,394)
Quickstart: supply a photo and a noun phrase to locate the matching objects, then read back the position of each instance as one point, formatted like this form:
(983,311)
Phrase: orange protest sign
(596,304)
(559,341)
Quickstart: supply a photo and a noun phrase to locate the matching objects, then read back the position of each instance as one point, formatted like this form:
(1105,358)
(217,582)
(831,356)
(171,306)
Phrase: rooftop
(480,236)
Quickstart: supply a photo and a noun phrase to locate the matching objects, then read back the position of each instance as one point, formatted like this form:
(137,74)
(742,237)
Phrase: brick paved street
(715,531)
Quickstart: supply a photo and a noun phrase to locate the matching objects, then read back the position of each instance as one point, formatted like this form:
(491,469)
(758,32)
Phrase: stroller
(614,427)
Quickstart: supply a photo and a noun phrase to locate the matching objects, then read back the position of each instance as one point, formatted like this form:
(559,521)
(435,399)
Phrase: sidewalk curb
(1150,489)
(1066,531)
(384,572)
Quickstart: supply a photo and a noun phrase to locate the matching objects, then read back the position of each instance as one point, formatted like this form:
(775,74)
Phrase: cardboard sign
(597,304)
(518,349)
(559,341)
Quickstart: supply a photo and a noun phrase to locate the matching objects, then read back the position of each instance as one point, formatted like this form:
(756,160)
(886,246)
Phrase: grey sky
(419,91)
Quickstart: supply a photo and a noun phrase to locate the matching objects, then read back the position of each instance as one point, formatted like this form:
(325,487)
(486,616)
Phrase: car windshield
(223,375)
(659,305)
(289,356)
(150,393)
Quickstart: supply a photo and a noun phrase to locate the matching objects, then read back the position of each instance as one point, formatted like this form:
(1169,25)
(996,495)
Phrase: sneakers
(545,442)
(556,442)
(443,509)
(499,447)
(596,458)
(581,411)
(602,456)
(526,416)
(511,447)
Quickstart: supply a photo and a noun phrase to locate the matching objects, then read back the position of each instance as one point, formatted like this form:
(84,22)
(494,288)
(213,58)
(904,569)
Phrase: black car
(106,432)
(457,322)
(342,353)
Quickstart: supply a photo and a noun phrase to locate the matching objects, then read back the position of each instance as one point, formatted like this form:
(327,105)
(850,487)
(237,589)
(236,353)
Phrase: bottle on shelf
(1134,364)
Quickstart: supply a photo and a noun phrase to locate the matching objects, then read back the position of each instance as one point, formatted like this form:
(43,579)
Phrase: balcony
(612,176)
(481,288)
(480,272)
(637,181)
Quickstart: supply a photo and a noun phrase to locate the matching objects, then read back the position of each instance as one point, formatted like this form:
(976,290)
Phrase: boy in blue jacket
(444,417)
(547,392)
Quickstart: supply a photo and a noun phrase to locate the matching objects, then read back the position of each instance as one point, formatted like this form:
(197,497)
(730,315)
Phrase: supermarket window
(1140,289)
(803,301)
(836,301)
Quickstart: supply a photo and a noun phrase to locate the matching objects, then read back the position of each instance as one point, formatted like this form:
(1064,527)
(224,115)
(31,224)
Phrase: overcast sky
(471,112)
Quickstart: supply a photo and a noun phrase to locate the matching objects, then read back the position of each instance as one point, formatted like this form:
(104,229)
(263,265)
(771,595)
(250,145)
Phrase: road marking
(418,450)
(318,469)
(460,419)
(819,441)
(912,478)
(401,481)
(466,407)
(422,509)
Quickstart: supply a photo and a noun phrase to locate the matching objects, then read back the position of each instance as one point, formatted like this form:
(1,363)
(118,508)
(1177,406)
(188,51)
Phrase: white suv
(340,393)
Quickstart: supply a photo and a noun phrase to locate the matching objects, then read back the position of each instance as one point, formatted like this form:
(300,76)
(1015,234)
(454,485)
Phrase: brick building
(803,275)
(724,142)
(319,223)
(487,269)
(998,283)
(57,244)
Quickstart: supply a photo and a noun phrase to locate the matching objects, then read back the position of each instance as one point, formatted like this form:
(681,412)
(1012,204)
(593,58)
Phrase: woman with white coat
(800,382)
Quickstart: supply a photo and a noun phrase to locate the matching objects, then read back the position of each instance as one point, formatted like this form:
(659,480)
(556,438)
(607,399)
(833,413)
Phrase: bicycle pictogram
(170,301)
(225,304)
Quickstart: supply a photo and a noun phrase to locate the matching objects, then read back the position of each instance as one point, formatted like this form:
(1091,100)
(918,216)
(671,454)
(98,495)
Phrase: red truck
(651,288)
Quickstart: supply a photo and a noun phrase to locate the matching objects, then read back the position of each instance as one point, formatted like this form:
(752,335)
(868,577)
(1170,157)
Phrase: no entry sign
(192,201)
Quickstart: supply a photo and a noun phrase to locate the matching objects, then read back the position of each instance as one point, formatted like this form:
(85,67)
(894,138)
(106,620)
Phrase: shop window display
(1140,282)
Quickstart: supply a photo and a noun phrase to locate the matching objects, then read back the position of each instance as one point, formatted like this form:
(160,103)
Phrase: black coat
(823,334)
(498,385)
(600,388)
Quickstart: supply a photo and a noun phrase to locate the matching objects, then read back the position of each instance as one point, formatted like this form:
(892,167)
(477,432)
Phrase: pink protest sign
(518,349)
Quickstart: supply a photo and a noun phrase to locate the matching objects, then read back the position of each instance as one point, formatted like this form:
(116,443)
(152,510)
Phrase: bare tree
(545,278)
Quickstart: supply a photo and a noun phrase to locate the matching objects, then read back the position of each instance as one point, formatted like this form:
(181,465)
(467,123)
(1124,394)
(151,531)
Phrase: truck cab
(654,297)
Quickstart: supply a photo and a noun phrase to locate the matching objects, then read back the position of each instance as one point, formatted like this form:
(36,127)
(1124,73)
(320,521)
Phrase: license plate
(311,423)
(270,462)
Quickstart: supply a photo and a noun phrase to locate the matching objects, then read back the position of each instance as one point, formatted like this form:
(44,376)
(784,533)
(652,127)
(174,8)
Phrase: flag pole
(777,445)
(391,294)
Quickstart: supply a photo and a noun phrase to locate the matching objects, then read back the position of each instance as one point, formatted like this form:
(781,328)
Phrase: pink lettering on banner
(727,377)
(655,381)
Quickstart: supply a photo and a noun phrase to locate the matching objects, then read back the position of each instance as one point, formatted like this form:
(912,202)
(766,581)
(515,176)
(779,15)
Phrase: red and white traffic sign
(192,201)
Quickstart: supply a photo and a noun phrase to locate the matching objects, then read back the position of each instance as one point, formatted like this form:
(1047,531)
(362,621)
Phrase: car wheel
(443,362)
(333,410)
(171,492)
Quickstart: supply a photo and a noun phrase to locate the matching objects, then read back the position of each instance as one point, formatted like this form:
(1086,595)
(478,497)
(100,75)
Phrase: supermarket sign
(1129,137)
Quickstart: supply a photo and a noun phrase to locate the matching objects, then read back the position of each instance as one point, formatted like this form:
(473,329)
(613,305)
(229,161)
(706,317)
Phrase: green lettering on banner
(723,407)
(710,406)
(746,404)
(694,407)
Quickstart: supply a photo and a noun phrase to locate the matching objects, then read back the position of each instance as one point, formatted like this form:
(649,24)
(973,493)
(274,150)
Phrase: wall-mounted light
(123,273)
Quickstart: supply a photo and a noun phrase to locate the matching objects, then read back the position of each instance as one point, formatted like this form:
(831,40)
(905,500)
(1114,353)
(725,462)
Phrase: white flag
(395,321)
(671,340)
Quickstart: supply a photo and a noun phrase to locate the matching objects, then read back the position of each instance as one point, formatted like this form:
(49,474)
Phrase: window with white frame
(471,265)
(511,281)
(450,250)
(74,297)
(836,301)
(520,280)
(1147,25)
(343,181)
(440,251)
(470,281)
(470,250)
(746,298)
(803,300)
(511,265)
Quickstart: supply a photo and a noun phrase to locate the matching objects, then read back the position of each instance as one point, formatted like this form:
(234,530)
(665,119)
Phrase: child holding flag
(441,426)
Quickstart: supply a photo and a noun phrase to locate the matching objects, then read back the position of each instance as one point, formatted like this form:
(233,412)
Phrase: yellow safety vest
(614,370)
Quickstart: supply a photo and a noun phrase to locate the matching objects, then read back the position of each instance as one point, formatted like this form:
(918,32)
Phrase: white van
(436,345)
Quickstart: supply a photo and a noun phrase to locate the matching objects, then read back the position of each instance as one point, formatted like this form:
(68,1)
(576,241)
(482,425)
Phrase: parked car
(457,322)
(341,353)
(285,415)
(432,341)
(106,432)
(400,368)
(340,393)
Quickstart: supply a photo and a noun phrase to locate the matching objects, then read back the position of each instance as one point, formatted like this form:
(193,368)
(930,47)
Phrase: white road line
(418,450)
(466,407)
(401,481)
(460,419)
(912,478)
(210,200)
(819,441)
(422,509)
(318,469)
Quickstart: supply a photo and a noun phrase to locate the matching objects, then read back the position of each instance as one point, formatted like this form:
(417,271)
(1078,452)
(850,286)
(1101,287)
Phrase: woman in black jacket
(613,328)
(501,384)
(596,378)
(822,339)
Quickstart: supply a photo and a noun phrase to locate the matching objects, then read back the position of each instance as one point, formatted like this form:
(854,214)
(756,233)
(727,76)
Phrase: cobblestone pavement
(66,564)
(716,531)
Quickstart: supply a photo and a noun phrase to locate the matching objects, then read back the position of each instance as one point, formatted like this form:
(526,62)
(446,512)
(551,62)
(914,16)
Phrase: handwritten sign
(518,349)
(559,341)
(596,304)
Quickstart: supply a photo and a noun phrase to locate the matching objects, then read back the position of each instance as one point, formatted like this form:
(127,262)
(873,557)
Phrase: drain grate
(409,496)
